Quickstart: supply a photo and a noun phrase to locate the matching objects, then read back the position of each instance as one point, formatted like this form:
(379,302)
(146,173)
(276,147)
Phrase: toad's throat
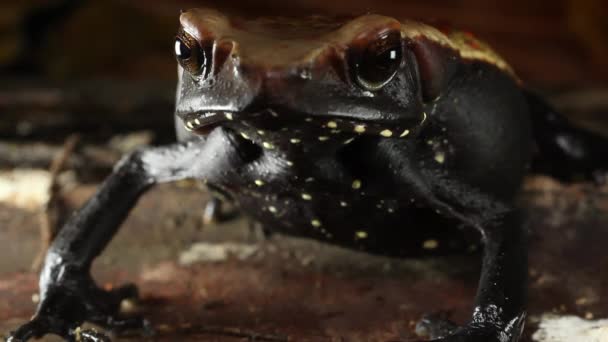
(203,122)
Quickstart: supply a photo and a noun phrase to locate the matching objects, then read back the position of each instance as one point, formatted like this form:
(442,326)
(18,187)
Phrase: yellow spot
(244,135)
(356,184)
(289,163)
(343,204)
(360,129)
(260,132)
(306,197)
(315,223)
(332,124)
(430,244)
(361,234)
(348,141)
(323,138)
(258,182)
(440,157)
(386,133)
(272,209)
(268,145)
(294,140)
(405,133)
(228,115)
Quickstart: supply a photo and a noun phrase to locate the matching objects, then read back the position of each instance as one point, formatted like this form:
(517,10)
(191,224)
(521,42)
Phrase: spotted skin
(329,200)
(381,135)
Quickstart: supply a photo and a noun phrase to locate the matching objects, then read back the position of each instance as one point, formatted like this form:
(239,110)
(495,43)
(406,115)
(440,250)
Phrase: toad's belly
(381,226)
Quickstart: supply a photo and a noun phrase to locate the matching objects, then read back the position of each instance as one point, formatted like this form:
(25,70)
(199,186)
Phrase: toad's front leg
(499,309)
(69,296)
(499,312)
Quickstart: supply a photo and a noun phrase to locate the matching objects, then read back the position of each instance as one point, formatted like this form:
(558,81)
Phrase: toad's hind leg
(565,151)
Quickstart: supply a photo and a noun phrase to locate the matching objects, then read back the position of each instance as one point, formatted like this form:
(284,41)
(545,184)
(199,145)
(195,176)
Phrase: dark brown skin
(372,133)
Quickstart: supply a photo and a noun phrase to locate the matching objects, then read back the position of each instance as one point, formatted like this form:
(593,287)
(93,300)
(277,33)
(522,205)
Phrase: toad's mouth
(203,122)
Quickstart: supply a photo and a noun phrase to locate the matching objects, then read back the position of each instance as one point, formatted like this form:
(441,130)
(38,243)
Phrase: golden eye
(376,65)
(190,55)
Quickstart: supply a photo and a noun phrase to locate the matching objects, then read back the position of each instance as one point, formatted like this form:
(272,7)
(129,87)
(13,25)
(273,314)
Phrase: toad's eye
(376,65)
(190,55)
(182,51)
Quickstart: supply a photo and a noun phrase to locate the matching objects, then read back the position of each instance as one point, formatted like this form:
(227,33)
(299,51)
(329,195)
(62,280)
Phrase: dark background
(549,42)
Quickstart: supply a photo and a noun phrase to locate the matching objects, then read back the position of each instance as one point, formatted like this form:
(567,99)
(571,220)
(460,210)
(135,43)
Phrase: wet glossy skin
(372,133)
(319,142)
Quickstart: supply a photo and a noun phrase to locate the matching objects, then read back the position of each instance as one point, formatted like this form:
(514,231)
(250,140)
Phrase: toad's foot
(440,329)
(435,326)
(76,300)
